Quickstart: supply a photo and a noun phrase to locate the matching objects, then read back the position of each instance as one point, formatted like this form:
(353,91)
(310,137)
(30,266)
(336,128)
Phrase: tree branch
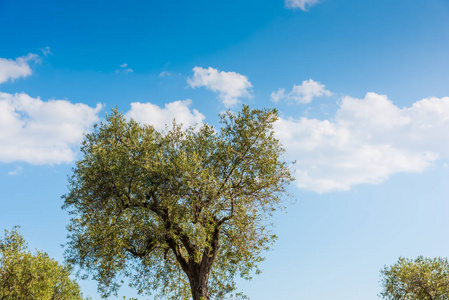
(261,130)
(150,245)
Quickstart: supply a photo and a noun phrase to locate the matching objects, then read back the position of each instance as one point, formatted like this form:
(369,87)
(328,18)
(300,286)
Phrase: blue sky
(361,87)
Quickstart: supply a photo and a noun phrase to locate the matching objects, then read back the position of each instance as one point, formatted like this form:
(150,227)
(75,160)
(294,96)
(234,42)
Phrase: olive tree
(28,276)
(419,279)
(179,212)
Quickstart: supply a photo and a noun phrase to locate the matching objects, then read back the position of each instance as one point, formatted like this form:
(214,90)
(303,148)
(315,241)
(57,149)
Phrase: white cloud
(148,113)
(278,95)
(367,141)
(303,93)
(301,4)
(230,86)
(16,68)
(42,132)
(16,171)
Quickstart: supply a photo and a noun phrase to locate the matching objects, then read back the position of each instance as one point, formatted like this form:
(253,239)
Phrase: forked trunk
(198,272)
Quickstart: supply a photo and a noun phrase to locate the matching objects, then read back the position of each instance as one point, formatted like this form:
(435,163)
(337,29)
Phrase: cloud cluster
(49,132)
(230,86)
(367,141)
(301,4)
(42,132)
(148,113)
(303,93)
(16,68)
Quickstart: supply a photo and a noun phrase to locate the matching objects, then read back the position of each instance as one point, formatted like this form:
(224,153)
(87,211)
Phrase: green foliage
(166,208)
(28,276)
(419,279)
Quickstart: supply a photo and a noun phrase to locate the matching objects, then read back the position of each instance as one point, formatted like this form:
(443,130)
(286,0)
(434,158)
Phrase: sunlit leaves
(28,276)
(419,279)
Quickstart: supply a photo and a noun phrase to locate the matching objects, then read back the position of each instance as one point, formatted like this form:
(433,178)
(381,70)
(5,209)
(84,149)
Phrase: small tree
(179,211)
(28,276)
(419,279)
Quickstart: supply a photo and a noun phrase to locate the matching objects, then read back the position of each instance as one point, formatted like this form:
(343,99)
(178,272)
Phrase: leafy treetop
(28,276)
(419,279)
(179,211)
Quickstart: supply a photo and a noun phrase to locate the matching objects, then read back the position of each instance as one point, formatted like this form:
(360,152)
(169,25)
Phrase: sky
(362,90)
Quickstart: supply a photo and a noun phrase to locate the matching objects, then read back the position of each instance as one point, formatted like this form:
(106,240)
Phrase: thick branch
(210,252)
(177,252)
(169,226)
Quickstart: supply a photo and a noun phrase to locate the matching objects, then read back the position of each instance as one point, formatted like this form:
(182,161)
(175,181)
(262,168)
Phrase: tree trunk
(199,273)
(198,285)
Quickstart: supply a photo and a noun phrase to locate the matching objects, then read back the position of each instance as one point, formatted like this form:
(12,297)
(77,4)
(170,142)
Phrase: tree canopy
(179,212)
(28,276)
(419,279)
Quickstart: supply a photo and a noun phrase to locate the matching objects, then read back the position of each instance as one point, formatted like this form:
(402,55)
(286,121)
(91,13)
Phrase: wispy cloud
(11,69)
(366,141)
(124,69)
(42,132)
(148,113)
(230,86)
(46,51)
(165,74)
(16,171)
(301,4)
(304,93)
